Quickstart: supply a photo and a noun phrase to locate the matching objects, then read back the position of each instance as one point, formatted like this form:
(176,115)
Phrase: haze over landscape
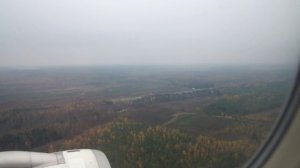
(151,83)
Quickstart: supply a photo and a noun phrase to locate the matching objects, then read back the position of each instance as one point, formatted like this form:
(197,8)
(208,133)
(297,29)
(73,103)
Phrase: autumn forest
(143,116)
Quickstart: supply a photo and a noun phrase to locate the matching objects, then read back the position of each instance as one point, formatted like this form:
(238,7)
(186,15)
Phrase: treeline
(251,99)
(25,130)
(159,98)
(26,140)
(165,97)
(132,144)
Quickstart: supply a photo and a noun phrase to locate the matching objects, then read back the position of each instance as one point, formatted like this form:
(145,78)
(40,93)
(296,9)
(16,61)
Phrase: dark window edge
(280,128)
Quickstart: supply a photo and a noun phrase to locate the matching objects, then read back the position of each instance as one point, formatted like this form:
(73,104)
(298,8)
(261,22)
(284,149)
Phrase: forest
(144,116)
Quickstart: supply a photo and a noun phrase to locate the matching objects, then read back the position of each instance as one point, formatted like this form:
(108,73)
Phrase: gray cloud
(63,32)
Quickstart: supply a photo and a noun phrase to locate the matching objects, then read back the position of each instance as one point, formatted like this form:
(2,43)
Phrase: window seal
(280,129)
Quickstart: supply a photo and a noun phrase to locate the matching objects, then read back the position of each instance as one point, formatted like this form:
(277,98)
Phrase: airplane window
(160,83)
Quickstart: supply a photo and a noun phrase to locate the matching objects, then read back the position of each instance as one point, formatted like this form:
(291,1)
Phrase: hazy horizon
(134,32)
(292,68)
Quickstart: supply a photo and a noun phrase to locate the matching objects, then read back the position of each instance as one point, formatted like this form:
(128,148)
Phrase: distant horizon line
(187,66)
(203,64)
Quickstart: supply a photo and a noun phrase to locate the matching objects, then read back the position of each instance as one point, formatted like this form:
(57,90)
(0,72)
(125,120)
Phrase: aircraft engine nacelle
(78,158)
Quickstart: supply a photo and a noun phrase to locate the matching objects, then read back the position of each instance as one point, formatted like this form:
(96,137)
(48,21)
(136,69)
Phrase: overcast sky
(81,32)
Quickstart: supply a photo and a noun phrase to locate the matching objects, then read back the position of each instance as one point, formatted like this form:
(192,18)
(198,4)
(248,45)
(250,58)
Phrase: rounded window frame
(280,128)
